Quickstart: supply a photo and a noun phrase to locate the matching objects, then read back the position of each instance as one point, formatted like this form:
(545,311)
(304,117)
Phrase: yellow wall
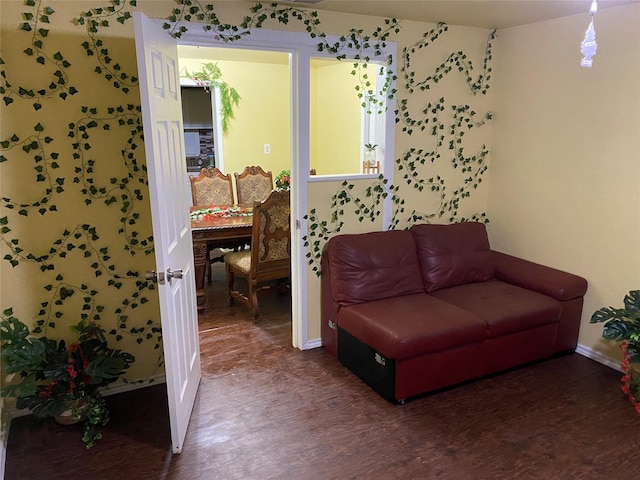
(435,162)
(95,242)
(565,169)
(313,123)
(263,117)
(337,119)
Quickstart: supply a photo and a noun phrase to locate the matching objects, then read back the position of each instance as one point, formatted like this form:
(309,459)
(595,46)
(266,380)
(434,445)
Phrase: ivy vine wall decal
(81,217)
(76,208)
(320,230)
(410,164)
(356,39)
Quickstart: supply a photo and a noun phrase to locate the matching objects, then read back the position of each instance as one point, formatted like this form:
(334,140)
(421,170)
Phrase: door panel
(162,120)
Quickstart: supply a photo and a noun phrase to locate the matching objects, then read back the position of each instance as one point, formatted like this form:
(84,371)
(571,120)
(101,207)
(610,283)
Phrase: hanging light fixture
(589,45)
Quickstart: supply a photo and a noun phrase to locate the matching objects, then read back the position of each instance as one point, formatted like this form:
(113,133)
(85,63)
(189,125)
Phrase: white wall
(564,183)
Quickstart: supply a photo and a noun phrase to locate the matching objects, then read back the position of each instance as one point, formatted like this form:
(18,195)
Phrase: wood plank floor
(268,411)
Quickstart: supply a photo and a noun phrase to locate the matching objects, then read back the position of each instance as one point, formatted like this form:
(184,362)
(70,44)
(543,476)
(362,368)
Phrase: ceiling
(471,13)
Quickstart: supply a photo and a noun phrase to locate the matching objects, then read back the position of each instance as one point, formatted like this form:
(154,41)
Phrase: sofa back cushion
(372,266)
(451,255)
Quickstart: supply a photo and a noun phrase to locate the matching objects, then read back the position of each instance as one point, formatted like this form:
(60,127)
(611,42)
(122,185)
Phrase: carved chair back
(253,185)
(211,187)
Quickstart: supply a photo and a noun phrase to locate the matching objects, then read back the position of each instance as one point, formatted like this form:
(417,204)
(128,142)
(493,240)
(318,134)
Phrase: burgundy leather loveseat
(410,311)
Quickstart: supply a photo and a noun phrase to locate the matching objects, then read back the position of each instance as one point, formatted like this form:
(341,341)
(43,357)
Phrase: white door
(164,144)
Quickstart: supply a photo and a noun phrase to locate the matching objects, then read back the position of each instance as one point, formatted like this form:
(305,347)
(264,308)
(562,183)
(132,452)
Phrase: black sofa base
(367,364)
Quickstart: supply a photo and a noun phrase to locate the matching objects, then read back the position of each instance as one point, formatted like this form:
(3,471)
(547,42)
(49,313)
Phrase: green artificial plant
(211,77)
(623,326)
(55,377)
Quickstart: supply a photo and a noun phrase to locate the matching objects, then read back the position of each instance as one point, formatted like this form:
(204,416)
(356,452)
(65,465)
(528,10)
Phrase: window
(342,123)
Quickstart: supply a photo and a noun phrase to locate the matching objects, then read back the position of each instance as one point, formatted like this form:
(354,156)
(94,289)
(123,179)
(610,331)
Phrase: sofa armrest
(560,285)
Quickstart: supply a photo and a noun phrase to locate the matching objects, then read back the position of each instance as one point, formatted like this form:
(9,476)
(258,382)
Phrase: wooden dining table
(224,226)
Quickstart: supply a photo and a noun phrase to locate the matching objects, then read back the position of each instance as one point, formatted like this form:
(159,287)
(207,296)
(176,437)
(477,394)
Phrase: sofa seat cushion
(411,325)
(453,254)
(504,307)
(372,266)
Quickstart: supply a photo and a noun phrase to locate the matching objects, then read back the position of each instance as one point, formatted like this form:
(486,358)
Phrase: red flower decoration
(627,378)
(47,390)
(72,371)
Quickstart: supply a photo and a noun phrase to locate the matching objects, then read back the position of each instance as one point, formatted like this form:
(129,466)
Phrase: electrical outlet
(267,149)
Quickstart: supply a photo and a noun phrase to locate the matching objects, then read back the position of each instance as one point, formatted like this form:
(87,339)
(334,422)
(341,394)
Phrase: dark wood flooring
(268,411)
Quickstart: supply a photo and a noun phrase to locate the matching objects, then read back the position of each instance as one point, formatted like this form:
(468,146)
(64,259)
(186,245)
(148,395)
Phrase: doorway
(258,133)
(300,49)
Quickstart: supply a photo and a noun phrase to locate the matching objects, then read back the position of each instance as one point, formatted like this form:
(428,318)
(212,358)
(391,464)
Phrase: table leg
(200,262)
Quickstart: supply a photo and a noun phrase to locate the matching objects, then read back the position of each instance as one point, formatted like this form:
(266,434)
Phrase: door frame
(301,48)
(272,41)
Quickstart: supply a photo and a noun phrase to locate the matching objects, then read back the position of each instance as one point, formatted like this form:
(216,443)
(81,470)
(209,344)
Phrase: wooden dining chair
(211,187)
(269,257)
(253,185)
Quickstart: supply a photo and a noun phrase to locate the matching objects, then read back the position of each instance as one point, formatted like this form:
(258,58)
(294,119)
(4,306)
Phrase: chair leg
(253,300)
(208,272)
(230,280)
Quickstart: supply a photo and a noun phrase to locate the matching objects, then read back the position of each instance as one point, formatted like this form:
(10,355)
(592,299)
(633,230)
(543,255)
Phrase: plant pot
(370,158)
(75,413)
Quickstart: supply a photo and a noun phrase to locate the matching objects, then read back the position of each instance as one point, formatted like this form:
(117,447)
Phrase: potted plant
(370,154)
(60,380)
(623,326)
(211,77)
(283,180)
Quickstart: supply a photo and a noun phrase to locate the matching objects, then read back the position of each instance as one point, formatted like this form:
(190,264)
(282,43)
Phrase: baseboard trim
(310,344)
(122,387)
(598,357)
(3,452)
